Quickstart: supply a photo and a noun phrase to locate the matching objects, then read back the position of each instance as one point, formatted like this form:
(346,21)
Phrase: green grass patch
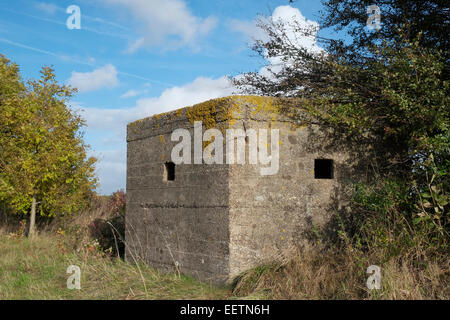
(36,269)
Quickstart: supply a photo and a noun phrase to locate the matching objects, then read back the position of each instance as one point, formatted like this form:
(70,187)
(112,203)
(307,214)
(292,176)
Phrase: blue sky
(135,58)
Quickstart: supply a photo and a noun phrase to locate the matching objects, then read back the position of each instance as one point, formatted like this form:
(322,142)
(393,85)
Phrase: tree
(306,70)
(391,86)
(43,163)
(430,18)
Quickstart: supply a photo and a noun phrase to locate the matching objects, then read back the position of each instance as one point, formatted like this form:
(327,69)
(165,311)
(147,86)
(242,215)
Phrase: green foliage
(398,98)
(389,90)
(42,152)
(396,95)
(36,269)
(109,231)
(378,223)
(429,17)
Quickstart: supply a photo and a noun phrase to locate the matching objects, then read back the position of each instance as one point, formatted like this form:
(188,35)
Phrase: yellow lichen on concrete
(230,109)
(258,104)
(218,113)
(222,113)
(205,112)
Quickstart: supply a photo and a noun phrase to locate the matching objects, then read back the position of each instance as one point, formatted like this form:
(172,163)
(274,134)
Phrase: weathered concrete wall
(175,224)
(215,221)
(269,214)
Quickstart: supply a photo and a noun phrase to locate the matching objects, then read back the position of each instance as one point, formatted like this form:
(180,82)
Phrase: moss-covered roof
(229,109)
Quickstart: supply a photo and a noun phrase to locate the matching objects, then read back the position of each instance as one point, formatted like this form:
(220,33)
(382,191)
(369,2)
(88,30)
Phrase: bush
(110,231)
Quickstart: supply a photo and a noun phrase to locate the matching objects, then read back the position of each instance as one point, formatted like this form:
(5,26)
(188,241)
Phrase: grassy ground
(36,269)
(342,274)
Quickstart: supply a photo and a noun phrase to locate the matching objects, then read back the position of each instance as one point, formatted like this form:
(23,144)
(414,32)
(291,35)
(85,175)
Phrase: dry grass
(341,274)
(36,269)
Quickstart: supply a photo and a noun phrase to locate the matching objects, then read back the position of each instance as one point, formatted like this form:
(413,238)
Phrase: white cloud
(199,90)
(286,15)
(136,45)
(110,124)
(104,77)
(165,22)
(247,28)
(48,8)
(133,93)
(111,168)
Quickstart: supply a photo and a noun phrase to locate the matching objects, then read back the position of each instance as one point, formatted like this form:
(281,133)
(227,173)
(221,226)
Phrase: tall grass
(36,269)
(414,263)
(382,228)
(341,274)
